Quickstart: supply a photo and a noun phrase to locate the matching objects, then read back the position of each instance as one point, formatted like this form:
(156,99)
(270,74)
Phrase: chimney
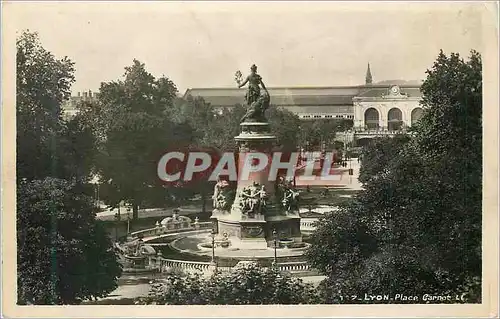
(85,95)
(90,93)
(79,93)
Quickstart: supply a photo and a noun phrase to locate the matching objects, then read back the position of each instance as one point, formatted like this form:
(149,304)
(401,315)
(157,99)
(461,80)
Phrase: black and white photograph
(317,159)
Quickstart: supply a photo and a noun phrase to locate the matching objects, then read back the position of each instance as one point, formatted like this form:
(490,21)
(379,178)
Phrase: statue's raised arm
(244,82)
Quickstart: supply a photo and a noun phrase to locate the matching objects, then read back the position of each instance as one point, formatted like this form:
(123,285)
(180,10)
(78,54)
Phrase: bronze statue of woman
(254,83)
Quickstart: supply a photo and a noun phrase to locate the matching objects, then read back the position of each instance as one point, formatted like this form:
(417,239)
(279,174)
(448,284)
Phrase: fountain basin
(197,244)
(286,243)
(218,245)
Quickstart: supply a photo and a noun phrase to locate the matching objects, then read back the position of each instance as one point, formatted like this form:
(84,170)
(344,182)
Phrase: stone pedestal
(256,231)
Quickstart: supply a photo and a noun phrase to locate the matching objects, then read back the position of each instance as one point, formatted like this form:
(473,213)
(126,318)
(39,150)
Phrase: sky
(293,44)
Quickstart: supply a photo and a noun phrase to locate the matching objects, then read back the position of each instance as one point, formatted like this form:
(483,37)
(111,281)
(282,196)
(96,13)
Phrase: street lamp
(275,239)
(128,221)
(158,263)
(96,198)
(212,234)
(117,223)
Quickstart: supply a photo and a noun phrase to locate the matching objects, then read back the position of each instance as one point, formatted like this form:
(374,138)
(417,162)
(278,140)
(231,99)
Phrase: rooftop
(301,96)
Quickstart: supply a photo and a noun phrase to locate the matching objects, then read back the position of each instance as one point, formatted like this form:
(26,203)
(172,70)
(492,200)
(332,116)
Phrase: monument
(258,207)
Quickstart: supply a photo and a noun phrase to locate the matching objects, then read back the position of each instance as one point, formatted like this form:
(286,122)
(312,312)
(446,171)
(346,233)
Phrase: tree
(47,145)
(232,119)
(449,139)
(416,226)
(244,286)
(378,153)
(211,133)
(43,83)
(284,124)
(213,128)
(132,121)
(319,131)
(64,255)
(77,149)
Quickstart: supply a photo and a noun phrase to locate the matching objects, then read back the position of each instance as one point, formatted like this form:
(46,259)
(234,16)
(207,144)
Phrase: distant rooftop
(301,96)
(400,82)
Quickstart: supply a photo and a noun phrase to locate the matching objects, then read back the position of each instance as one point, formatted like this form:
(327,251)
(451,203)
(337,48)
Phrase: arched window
(371,118)
(416,115)
(394,119)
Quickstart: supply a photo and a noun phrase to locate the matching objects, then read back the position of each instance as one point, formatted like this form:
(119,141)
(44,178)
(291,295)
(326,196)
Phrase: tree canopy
(43,83)
(416,226)
(131,119)
(64,255)
(378,153)
(321,131)
(48,144)
(284,125)
(248,285)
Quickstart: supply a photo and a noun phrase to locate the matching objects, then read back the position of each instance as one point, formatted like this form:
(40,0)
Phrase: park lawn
(334,197)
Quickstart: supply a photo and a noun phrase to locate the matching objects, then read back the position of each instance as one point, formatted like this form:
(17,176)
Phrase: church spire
(368,75)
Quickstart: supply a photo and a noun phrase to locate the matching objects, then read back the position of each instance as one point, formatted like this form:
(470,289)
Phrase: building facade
(70,107)
(387,108)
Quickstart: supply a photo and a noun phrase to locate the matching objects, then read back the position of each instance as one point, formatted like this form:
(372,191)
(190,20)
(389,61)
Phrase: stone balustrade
(208,268)
(308,224)
(205,268)
(380,130)
(294,266)
(184,265)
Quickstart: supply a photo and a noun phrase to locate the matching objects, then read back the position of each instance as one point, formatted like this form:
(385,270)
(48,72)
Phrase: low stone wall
(170,235)
(308,224)
(206,268)
(159,230)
